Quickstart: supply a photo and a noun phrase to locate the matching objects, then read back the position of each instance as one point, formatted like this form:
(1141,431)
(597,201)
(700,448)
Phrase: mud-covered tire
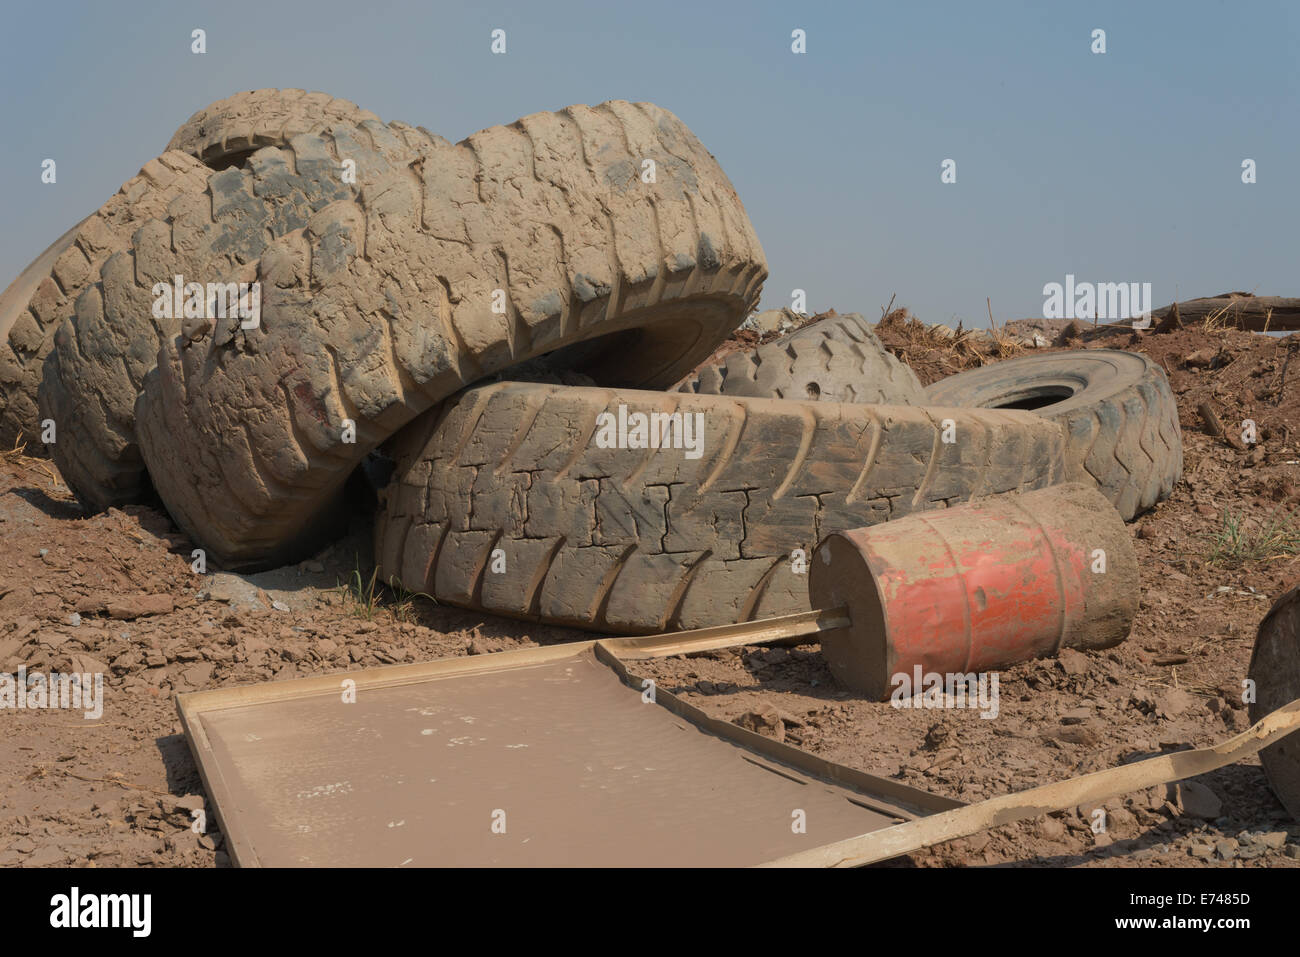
(227,132)
(45,293)
(1118,411)
(541,237)
(214,230)
(1275,672)
(836,359)
(627,540)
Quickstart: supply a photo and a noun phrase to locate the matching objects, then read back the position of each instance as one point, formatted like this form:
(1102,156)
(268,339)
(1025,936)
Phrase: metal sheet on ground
(570,759)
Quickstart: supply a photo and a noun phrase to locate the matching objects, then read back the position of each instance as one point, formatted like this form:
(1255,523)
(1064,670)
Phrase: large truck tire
(836,359)
(45,293)
(227,132)
(607,238)
(627,540)
(215,230)
(1119,414)
(1274,675)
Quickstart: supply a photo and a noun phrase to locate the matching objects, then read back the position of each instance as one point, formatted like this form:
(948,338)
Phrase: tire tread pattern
(551,210)
(835,359)
(627,541)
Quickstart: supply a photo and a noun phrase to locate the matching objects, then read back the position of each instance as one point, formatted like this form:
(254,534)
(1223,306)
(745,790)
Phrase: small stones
(1072,662)
(196,676)
(1196,800)
(188,803)
(195,328)
(1051,829)
(1076,716)
(140,606)
(46,856)
(1272,840)
(1078,734)
(483,646)
(763,719)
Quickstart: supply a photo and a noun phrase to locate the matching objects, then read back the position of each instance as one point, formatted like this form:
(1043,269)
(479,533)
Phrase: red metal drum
(976,587)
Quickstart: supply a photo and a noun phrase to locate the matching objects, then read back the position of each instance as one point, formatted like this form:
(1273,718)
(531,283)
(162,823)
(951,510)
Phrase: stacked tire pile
(493,314)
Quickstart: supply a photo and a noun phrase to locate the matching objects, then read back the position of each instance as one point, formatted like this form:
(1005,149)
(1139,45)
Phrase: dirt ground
(115,593)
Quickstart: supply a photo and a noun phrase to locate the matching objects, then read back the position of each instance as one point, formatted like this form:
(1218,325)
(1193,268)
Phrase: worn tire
(1275,671)
(384,306)
(214,230)
(836,359)
(1118,411)
(628,541)
(45,293)
(227,132)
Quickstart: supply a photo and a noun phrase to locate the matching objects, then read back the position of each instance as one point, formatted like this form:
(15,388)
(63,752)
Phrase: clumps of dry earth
(115,592)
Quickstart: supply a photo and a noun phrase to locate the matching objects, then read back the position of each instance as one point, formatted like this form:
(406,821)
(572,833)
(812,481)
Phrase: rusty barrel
(976,587)
(1275,681)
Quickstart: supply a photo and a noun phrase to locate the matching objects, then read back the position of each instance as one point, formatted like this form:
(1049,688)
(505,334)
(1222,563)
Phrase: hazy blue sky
(1117,167)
